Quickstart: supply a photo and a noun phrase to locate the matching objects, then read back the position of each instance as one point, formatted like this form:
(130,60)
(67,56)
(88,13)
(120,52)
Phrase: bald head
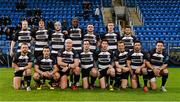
(68,44)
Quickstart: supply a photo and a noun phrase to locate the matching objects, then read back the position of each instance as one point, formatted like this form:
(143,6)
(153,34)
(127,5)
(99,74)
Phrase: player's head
(24,25)
(90,27)
(75,22)
(68,44)
(24,48)
(86,45)
(121,45)
(159,46)
(127,30)
(46,51)
(41,24)
(110,26)
(137,45)
(104,44)
(57,26)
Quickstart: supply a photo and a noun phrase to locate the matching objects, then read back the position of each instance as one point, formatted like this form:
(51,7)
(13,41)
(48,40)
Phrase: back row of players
(73,51)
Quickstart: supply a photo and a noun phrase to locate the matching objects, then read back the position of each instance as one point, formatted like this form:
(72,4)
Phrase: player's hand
(157,72)
(64,69)
(138,70)
(125,69)
(72,66)
(110,66)
(119,70)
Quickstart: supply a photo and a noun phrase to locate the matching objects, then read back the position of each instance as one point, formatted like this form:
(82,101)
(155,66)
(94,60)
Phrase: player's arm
(75,64)
(61,63)
(36,69)
(164,66)
(118,65)
(55,69)
(15,66)
(165,60)
(143,65)
(29,66)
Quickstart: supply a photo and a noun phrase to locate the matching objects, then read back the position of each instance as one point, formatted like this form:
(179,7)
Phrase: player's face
(68,45)
(41,24)
(104,45)
(137,46)
(121,46)
(159,47)
(127,31)
(90,28)
(75,22)
(46,52)
(110,26)
(24,25)
(86,45)
(57,27)
(24,48)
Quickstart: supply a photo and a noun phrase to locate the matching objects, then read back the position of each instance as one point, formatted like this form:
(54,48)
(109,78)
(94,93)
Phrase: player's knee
(28,72)
(56,76)
(144,71)
(16,87)
(36,76)
(112,72)
(94,72)
(165,71)
(77,71)
(64,86)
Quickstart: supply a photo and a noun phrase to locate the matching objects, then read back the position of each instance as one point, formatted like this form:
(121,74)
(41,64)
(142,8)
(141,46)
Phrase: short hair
(75,18)
(110,21)
(121,41)
(24,43)
(68,40)
(46,47)
(90,24)
(137,41)
(127,26)
(160,41)
(86,41)
(24,21)
(57,23)
(104,40)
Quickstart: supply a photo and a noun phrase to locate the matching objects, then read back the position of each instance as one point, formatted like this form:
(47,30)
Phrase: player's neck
(46,57)
(110,31)
(86,50)
(128,35)
(91,33)
(23,54)
(57,31)
(104,50)
(69,49)
(120,50)
(137,51)
(158,51)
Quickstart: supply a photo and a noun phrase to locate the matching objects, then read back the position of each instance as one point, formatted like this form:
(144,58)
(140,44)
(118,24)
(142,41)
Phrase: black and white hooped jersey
(121,57)
(46,64)
(129,42)
(104,59)
(157,59)
(75,34)
(137,59)
(57,42)
(87,59)
(41,39)
(22,60)
(112,38)
(93,39)
(23,36)
(68,56)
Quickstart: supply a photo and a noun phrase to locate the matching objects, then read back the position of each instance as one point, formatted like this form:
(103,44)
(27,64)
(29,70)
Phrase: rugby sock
(139,85)
(71,78)
(145,78)
(28,80)
(164,79)
(76,79)
(22,82)
(107,79)
(93,79)
(111,80)
(51,81)
(117,80)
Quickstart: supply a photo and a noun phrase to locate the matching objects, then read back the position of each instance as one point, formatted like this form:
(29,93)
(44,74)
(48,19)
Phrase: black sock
(22,82)
(111,80)
(145,78)
(76,79)
(28,80)
(117,80)
(138,83)
(38,82)
(51,81)
(71,78)
(107,79)
(164,79)
(93,79)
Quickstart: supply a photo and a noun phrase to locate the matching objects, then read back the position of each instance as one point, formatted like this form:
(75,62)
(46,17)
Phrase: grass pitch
(7,93)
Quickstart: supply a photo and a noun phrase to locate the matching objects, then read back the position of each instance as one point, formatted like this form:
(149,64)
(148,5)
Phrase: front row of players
(102,64)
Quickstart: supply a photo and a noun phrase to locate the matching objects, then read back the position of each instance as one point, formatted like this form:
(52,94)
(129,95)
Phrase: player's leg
(94,75)
(27,78)
(152,80)
(85,78)
(138,72)
(145,78)
(76,72)
(63,81)
(17,79)
(164,74)
(118,77)
(37,78)
(111,73)
(102,79)
(124,78)
(134,83)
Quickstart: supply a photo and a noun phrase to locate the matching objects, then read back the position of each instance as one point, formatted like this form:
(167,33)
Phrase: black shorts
(18,73)
(103,72)
(64,73)
(37,54)
(85,72)
(151,75)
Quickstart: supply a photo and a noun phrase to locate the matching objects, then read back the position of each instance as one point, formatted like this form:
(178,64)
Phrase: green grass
(7,93)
